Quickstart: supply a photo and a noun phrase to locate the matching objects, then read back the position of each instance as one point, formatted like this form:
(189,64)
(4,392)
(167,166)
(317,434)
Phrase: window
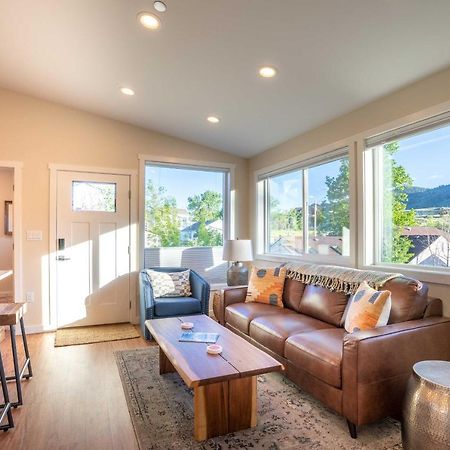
(186,218)
(412,194)
(93,196)
(307,208)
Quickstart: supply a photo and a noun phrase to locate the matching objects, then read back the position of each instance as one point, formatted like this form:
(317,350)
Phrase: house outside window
(186,218)
(411,190)
(307,208)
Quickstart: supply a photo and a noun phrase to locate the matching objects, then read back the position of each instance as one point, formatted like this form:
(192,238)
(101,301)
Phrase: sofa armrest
(376,364)
(434,307)
(200,290)
(225,297)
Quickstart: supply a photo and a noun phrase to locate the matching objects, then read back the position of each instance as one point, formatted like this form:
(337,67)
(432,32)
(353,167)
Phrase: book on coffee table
(192,336)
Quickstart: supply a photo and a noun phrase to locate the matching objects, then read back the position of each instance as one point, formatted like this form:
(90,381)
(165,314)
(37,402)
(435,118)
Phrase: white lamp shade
(238,250)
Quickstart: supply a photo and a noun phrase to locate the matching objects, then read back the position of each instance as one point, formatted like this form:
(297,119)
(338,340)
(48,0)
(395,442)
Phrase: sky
(426,157)
(287,188)
(184,183)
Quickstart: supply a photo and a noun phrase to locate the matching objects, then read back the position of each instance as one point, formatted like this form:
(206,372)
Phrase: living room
(288,136)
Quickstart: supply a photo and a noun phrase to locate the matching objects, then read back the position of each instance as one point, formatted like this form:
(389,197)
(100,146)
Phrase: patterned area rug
(98,333)
(161,409)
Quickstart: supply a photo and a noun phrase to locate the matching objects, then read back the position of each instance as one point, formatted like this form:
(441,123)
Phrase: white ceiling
(332,56)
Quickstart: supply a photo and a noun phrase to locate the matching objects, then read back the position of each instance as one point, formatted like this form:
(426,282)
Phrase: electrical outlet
(30,297)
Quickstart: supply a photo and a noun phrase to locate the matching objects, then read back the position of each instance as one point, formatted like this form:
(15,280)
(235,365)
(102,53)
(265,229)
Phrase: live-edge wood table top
(10,313)
(238,359)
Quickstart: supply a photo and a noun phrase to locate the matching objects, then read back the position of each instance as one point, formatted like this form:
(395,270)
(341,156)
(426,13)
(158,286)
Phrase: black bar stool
(5,408)
(11,314)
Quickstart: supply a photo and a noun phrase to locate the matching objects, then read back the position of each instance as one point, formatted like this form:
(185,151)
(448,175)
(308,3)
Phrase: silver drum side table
(426,408)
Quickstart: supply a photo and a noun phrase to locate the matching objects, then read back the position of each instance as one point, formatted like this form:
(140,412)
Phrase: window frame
(180,163)
(369,228)
(337,150)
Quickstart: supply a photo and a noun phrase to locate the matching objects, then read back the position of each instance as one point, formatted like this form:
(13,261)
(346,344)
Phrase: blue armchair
(157,308)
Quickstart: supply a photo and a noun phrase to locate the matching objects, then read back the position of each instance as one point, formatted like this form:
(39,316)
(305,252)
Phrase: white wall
(6,241)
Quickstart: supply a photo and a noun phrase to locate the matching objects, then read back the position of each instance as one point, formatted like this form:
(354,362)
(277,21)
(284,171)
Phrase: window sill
(217,286)
(345,261)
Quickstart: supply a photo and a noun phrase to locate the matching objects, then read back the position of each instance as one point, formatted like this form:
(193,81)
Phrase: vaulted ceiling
(332,56)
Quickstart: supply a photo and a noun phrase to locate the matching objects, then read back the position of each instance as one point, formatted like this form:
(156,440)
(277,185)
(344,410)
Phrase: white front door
(93,238)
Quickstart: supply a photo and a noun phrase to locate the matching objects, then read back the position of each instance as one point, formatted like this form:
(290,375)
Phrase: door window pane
(93,196)
(285,213)
(414,206)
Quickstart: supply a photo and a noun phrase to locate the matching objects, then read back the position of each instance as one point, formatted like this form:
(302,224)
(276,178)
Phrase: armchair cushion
(173,306)
(170,284)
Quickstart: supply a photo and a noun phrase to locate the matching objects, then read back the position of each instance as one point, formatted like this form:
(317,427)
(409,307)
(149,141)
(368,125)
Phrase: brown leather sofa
(360,375)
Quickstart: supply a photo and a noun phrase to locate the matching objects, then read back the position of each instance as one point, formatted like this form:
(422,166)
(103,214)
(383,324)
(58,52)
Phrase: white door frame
(17,220)
(50,319)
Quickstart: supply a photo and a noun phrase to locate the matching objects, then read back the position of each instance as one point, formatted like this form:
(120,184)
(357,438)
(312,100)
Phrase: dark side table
(426,409)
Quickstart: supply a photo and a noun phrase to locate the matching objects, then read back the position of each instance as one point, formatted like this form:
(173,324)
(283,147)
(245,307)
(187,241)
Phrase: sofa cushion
(409,299)
(318,353)
(266,286)
(368,309)
(174,306)
(292,294)
(239,315)
(272,331)
(323,304)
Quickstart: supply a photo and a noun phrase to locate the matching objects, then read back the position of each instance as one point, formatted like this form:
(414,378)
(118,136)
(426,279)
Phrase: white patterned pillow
(170,284)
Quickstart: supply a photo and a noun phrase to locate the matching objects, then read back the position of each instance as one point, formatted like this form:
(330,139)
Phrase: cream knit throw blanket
(335,278)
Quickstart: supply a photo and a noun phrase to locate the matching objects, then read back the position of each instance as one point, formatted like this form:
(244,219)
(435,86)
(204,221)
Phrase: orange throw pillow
(266,286)
(368,309)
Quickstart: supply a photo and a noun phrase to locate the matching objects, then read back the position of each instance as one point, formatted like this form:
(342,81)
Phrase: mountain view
(421,198)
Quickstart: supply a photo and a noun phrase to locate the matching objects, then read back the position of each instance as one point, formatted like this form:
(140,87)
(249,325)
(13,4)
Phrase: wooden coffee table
(224,385)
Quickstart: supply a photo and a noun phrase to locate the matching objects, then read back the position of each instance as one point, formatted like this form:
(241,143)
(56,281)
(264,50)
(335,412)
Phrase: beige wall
(423,94)
(37,133)
(6,241)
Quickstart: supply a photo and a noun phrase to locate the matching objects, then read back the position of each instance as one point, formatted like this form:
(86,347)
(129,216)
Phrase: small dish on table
(187,325)
(214,349)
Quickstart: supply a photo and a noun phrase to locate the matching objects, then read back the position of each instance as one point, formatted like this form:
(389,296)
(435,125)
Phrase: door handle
(62,258)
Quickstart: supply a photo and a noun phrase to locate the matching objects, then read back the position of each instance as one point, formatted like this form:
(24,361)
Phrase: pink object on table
(214,349)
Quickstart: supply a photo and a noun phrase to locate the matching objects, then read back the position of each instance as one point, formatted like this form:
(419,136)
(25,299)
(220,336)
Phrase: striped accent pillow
(368,309)
(266,286)
(170,284)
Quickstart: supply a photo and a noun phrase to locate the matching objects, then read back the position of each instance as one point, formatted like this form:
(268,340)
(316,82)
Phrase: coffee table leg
(222,408)
(242,401)
(165,366)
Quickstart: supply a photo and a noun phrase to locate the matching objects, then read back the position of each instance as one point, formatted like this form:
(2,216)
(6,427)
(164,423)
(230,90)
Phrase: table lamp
(237,250)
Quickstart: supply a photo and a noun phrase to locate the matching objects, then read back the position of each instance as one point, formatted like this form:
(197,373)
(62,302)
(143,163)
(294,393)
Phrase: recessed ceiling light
(160,6)
(149,20)
(267,72)
(127,91)
(213,119)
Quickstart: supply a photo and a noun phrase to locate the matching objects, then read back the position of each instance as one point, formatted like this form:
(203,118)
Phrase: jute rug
(161,409)
(98,333)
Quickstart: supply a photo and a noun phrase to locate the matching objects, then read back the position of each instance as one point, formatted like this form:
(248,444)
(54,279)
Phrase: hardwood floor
(74,400)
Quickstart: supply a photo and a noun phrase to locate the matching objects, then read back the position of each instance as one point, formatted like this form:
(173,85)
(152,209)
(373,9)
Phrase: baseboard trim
(34,329)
